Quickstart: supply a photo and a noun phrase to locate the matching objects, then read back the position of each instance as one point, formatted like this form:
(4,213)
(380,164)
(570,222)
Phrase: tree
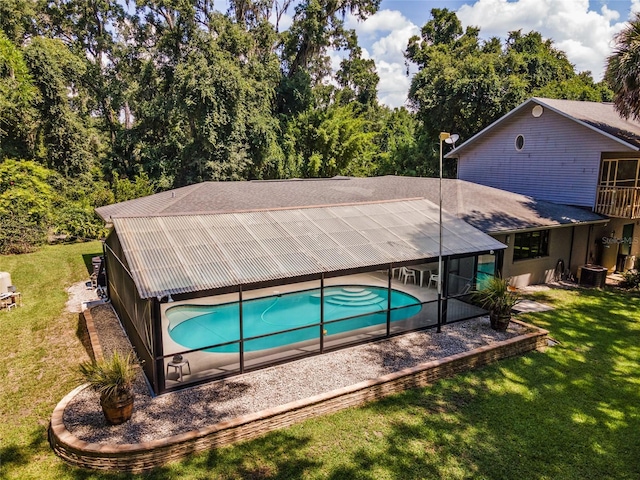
(17,96)
(65,140)
(18,19)
(317,25)
(331,141)
(26,205)
(623,70)
(464,84)
(357,76)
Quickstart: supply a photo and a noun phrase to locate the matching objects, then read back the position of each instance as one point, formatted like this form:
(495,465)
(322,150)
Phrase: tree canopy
(464,84)
(104,101)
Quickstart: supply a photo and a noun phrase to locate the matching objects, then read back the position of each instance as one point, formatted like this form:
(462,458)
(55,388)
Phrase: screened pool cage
(188,338)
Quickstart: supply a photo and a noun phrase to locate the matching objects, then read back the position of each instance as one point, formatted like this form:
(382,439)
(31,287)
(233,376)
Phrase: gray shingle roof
(177,254)
(489,209)
(600,117)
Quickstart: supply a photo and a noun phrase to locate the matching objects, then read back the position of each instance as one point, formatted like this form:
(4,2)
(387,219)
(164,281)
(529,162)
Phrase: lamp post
(450,139)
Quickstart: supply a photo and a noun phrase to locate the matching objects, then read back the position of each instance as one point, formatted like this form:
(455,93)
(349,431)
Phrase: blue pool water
(197,326)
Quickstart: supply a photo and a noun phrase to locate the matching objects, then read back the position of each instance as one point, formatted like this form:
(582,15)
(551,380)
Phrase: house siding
(605,242)
(560,161)
(541,270)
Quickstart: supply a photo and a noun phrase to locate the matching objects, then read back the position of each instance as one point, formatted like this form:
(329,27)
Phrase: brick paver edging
(139,457)
(93,334)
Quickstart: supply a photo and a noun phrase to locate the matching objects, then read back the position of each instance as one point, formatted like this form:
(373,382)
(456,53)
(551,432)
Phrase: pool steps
(350,297)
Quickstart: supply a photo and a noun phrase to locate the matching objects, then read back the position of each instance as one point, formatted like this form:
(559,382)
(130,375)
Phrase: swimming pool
(197,326)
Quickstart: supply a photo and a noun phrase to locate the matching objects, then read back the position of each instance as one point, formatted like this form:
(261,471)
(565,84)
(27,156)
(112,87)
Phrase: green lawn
(572,412)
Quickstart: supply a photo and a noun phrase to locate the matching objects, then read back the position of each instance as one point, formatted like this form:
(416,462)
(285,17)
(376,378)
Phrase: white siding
(560,160)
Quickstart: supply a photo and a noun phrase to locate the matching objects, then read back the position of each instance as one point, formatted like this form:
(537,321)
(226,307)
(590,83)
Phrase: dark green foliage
(63,131)
(123,102)
(26,203)
(464,84)
(20,233)
(17,95)
(36,202)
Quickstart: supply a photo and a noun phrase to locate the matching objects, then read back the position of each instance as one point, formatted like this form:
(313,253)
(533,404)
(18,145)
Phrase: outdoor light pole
(450,139)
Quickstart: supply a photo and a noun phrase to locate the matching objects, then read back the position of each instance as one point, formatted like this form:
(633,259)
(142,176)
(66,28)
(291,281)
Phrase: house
(574,153)
(219,278)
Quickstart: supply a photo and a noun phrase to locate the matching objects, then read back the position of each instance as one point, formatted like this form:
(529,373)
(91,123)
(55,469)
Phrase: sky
(583,29)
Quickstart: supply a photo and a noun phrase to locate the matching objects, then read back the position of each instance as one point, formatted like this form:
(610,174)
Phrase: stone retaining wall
(145,456)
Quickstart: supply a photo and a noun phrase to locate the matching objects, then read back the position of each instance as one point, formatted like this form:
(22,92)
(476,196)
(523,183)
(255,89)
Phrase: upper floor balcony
(619,188)
(623,202)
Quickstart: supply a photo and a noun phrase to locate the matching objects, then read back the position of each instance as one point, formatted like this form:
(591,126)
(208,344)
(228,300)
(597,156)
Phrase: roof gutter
(604,221)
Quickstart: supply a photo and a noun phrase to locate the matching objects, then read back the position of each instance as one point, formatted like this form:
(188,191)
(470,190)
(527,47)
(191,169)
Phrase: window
(531,245)
(620,173)
(519,142)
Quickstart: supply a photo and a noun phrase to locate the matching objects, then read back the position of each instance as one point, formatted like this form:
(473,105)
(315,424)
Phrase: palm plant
(623,70)
(499,300)
(113,379)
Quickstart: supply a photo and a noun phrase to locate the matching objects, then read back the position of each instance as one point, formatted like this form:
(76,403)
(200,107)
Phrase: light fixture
(450,139)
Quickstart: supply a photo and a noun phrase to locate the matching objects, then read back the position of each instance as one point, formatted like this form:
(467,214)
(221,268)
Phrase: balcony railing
(623,202)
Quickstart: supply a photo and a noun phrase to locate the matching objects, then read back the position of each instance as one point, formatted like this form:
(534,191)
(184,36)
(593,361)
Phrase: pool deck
(175,425)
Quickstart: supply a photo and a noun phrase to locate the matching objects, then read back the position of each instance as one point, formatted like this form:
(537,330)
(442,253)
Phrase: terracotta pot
(118,409)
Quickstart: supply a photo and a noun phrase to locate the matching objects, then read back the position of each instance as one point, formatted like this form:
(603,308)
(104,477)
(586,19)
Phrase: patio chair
(406,273)
(435,278)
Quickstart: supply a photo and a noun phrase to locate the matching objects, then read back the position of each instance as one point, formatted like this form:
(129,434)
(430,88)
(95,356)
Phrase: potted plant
(497,297)
(113,379)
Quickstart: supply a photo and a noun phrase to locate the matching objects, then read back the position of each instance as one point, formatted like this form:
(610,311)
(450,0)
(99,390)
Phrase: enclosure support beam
(389,278)
(322,313)
(241,349)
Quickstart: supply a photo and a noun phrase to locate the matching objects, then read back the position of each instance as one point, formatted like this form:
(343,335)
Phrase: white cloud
(385,36)
(394,83)
(586,36)
(382,21)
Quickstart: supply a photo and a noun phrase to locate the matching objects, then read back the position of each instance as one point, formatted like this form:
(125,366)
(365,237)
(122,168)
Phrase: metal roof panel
(182,254)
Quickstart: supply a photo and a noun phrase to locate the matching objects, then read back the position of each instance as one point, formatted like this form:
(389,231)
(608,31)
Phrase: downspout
(586,255)
(573,233)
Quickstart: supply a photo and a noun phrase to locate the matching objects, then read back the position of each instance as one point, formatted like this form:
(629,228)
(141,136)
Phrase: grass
(572,412)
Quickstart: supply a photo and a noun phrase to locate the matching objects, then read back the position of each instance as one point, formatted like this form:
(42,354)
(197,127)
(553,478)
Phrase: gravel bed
(204,405)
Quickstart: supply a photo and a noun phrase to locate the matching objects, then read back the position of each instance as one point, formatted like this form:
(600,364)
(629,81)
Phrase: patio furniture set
(10,299)
(406,273)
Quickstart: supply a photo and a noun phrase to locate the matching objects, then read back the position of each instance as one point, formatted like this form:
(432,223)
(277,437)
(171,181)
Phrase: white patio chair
(406,273)
(435,278)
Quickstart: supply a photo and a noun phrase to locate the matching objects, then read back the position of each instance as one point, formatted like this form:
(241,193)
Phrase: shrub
(20,233)
(631,279)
